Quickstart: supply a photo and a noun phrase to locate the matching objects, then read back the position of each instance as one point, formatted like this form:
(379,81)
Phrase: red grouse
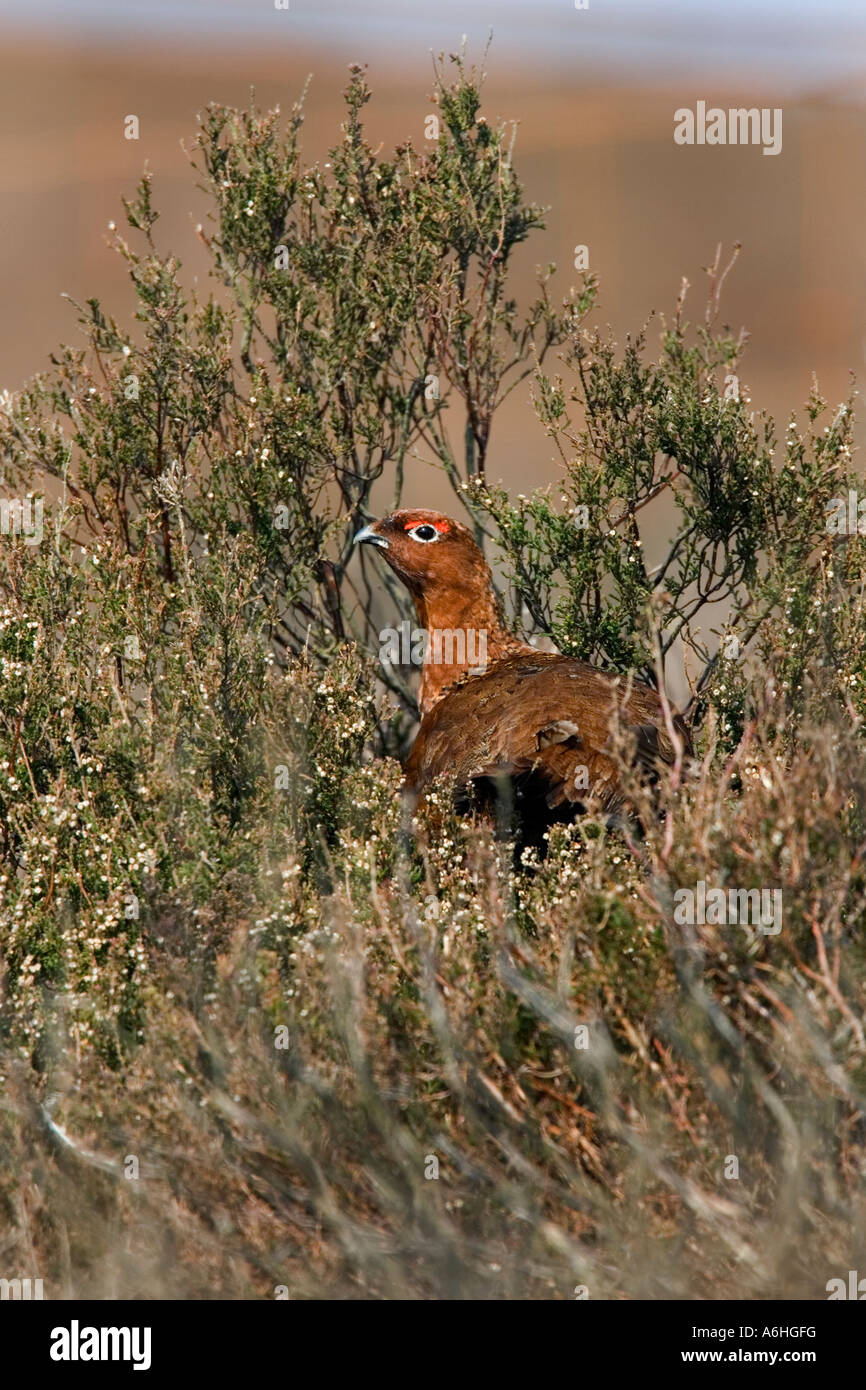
(494,711)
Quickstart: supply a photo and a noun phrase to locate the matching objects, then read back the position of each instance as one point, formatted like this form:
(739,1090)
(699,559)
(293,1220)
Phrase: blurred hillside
(595,143)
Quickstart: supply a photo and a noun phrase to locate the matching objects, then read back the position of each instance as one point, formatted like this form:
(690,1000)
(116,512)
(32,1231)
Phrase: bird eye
(424,533)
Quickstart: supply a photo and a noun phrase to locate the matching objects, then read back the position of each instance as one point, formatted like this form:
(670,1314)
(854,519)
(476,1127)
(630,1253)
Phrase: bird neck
(465,635)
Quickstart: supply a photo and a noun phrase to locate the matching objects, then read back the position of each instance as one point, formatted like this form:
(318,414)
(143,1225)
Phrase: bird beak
(371,537)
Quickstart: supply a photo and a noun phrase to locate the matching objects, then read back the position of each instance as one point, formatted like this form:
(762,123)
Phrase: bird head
(452,588)
(430,552)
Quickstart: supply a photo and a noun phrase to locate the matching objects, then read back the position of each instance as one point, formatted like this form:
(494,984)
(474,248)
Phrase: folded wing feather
(542,716)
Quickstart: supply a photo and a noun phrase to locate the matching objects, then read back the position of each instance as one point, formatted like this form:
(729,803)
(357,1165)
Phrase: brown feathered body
(538,723)
(545,720)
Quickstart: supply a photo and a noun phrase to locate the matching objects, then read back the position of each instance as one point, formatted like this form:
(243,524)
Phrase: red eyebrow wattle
(438,525)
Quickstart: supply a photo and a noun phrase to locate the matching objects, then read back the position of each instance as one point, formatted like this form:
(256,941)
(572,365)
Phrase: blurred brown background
(594,93)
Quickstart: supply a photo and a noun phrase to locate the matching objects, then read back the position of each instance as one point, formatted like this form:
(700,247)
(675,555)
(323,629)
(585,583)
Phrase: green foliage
(749,531)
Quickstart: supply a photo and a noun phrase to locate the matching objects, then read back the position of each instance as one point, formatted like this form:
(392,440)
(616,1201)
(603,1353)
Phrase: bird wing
(542,716)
